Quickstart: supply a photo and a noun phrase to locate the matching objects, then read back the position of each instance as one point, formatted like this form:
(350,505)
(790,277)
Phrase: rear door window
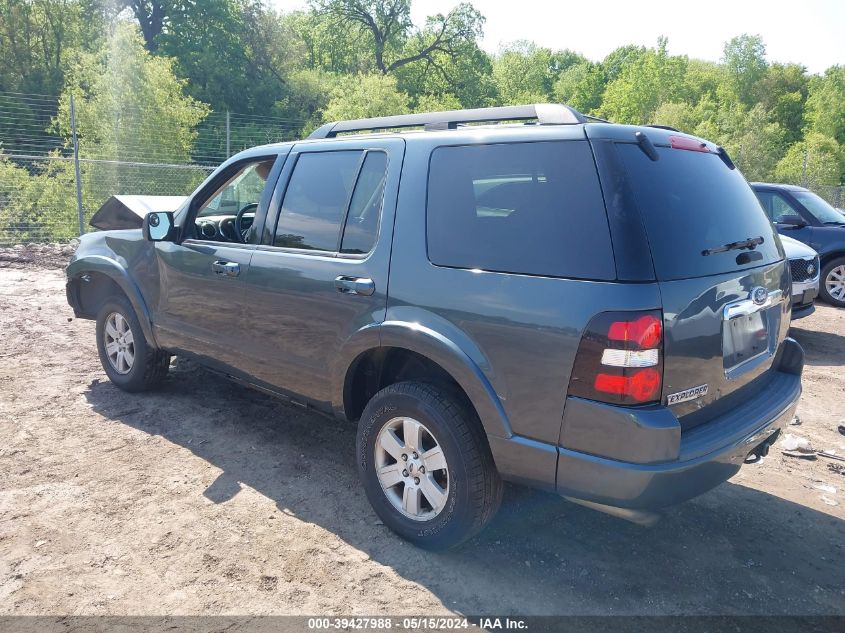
(362,222)
(316,199)
(531,208)
(691,202)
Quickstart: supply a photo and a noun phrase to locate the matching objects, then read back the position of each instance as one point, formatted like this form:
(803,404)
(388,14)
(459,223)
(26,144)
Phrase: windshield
(819,207)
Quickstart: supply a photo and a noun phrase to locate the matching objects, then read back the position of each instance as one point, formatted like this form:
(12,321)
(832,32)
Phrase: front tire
(130,363)
(832,282)
(426,466)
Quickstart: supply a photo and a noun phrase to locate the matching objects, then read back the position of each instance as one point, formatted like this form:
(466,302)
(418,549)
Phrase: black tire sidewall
(448,527)
(134,380)
(839,261)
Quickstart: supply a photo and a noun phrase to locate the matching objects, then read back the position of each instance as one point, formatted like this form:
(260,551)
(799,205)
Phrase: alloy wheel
(835,283)
(119,343)
(412,469)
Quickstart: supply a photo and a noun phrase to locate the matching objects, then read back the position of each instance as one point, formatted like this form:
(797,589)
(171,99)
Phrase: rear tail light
(619,358)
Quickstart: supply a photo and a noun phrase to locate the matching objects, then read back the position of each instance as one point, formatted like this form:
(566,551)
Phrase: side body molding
(112,269)
(446,353)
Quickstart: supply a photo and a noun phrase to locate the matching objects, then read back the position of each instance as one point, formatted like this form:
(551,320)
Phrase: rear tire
(832,282)
(129,362)
(461,490)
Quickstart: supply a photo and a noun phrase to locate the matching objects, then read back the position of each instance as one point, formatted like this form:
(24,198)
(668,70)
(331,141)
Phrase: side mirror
(158,226)
(792,220)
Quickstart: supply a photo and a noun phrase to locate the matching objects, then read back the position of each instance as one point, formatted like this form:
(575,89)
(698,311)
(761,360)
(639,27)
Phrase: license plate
(747,337)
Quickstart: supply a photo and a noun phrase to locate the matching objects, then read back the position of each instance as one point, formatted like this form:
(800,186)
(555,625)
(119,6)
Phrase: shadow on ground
(733,551)
(821,348)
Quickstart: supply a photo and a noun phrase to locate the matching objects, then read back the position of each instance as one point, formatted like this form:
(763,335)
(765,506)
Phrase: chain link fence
(38,167)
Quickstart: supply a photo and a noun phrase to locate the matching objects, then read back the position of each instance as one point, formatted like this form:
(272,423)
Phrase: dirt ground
(204,498)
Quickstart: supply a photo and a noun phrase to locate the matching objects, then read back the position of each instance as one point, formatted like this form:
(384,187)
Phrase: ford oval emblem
(759,295)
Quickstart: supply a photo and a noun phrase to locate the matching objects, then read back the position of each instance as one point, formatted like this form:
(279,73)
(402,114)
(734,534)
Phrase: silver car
(804,267)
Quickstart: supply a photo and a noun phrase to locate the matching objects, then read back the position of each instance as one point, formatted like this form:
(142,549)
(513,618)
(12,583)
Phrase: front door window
(229,212)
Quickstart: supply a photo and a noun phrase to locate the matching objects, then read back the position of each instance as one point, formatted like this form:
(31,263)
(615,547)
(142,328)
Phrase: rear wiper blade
(751,243)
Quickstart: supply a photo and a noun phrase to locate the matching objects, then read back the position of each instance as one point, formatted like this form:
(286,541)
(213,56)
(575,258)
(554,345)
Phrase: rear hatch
(720,267)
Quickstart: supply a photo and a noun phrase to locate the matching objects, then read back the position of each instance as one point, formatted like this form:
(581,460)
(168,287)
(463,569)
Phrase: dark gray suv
(593,309)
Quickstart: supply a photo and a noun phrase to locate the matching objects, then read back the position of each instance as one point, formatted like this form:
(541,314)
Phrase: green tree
(782,91)
(366,96)
(679,115)
(130,105)
(36,39)
(325,47)
(642,85)
(618,59)
(817,160)
(745,62)
(581,86)
(465,75)
(524,73)
(388,28)
(826,104)
(756,144)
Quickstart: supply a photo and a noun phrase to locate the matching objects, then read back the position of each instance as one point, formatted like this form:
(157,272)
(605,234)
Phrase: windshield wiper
(834,223)
(751,243)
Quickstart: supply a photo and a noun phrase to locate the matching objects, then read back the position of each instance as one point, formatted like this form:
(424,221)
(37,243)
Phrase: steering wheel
(239,230)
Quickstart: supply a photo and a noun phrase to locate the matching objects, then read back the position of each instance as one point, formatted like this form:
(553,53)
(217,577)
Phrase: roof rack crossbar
(543,113)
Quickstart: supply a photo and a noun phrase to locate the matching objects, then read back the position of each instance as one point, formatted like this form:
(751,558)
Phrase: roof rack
(543,113)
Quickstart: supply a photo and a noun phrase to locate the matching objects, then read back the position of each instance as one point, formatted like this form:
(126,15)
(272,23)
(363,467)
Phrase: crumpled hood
(127,212)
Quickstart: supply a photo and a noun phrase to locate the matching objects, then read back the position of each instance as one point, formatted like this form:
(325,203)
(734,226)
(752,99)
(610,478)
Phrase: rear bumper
(709,454)
(642,461)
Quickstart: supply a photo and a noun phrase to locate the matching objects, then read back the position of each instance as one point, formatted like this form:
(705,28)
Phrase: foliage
(826,104)
(146,73)
(524,73)
(365,96)
(387,28)
(745,62)
(642,83)
(129,103)
(36,39)
(817,160)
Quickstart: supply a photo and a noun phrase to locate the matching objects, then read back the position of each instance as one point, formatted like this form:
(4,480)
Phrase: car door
(321,273)
(777,206)
(200,309)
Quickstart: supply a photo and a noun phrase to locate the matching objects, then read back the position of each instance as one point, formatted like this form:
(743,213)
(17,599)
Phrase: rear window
(690,202)
(531,208)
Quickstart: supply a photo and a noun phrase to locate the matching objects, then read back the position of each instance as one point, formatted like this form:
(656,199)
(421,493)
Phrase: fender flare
(117,273)
(437,348)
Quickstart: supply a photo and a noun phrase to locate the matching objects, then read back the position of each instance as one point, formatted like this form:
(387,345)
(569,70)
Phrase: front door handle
(355,285)
(228,269)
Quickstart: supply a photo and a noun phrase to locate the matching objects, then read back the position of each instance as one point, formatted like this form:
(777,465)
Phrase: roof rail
(663,127)
(543,113)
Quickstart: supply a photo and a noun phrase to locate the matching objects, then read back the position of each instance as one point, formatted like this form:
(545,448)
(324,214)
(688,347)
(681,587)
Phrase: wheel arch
(828,257)
(106,275)
(384,361)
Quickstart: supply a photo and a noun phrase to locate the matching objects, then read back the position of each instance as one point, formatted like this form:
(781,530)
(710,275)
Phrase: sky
(811,32)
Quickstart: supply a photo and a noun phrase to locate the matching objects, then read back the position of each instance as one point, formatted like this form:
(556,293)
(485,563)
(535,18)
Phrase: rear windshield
(691,202)
(531,208)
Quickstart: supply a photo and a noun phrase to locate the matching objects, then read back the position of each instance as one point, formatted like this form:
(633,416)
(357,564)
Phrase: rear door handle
(228,269)
(355,285)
